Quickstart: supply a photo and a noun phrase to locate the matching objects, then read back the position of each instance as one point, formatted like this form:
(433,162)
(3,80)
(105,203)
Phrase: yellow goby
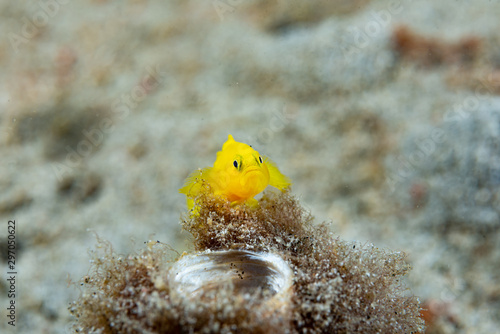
(238,174)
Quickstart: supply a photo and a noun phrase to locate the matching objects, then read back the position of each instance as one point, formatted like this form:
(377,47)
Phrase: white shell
(246,271)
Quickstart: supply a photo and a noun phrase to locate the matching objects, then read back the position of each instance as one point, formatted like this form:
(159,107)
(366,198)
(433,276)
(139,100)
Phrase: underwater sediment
(334,286)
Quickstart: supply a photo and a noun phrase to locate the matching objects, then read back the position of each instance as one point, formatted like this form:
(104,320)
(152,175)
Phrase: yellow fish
(238,174)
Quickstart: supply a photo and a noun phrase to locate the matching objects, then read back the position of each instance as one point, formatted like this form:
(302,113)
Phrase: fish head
(243,169)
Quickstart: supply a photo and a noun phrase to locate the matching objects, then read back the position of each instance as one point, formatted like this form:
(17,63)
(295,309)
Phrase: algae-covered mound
(338,286)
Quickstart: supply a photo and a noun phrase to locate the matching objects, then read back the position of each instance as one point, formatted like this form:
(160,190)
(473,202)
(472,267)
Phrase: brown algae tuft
(336,286)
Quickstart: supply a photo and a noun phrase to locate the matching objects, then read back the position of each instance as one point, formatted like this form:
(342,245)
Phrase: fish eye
(235,164)
(260,159)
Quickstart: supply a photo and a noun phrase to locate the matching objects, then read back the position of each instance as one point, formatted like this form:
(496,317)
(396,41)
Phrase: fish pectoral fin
(194,211)
(193,184)
(276,178)
(252,202)
(190,203)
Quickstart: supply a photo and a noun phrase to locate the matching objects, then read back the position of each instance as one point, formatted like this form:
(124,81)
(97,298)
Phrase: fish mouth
(253,179)
(251,169)
(251,175)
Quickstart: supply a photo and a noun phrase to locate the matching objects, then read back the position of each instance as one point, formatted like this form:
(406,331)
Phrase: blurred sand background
(385,115)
